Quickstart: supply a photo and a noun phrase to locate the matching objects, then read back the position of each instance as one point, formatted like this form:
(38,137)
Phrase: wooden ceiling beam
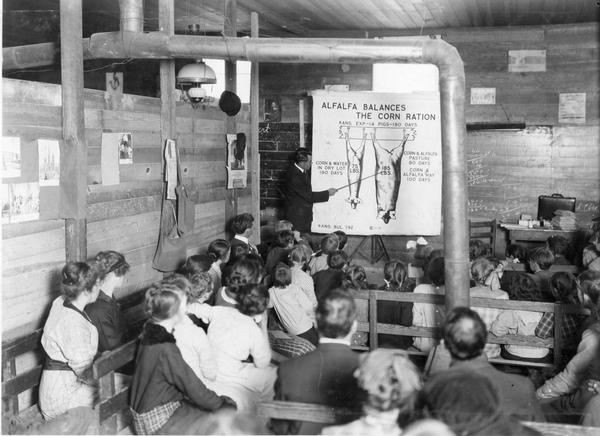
(271,16)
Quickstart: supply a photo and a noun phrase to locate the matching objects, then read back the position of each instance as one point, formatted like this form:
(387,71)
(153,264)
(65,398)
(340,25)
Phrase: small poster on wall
(11,157)
(521,61)
(23,202)
(125,149)
(109,158)
(571,107)
(49,162)
(5,204)
(483,95)
(237,168)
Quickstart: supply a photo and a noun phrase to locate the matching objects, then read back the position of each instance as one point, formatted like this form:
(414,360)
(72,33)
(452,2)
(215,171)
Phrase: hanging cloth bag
(171,248)
(186,208)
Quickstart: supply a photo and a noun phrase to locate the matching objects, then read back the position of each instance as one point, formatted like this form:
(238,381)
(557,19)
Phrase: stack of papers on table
(564,220)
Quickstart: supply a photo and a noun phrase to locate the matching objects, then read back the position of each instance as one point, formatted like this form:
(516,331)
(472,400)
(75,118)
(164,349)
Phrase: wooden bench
(521,267)
(104,367)
(331,415)
(374,328)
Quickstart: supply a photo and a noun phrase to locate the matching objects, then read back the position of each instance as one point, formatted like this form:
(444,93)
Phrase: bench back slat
(15,347)
(113,405)
(331,415)
(374,328)
(306,412)
(115,359)
(22,382)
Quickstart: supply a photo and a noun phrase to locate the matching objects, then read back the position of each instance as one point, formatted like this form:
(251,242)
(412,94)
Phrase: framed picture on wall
(273,109)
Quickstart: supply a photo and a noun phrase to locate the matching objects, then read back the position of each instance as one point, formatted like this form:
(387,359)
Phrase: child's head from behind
(282,275)
(516,252)
(343,238)
(111,262)
(283,225)
(219,249)
(237,252)
(590,293)
(481,269)
(197,264)
(564,287)
(356,277)
(252,299)
(337,259)
(202,287)
(435,271)
(164,301)
(329,243)
(476,249)
(242,224)
(421,254)
(79,278)
(524,288)
(242,272)
(541,259)
(285,239)
(394,272)
(300,254)
(558,245)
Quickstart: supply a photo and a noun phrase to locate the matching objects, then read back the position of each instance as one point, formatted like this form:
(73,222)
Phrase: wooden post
(106,390)
(73,164)
(301,120)
(254,120)
(166,24)
(230,29)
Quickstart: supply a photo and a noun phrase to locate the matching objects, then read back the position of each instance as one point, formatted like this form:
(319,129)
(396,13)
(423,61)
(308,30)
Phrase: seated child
(569,391)
(70,343)
(481,269)
(105,313)
(279,253)
(420,256)
(540,261)
(426,314)
(355,278)
(294,309)
(476,249)
(395,312)
(242,227)
(591,253)
(516,253)
(559,246)
(521,322)
(332,277)
(343,239)
(329,244)
(163,384)
(191,338)
(219,250)
(196,264)
(236,275)
(238,337)
(564,289)
(299,257)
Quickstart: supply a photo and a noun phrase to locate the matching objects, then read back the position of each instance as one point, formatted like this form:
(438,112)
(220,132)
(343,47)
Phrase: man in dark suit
(300,196)
(323,376)
(464,335)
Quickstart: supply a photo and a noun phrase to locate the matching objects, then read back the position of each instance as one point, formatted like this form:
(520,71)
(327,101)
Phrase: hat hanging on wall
(230,103)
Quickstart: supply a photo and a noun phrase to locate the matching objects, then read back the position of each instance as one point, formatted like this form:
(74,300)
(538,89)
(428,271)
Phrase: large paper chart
(384,151)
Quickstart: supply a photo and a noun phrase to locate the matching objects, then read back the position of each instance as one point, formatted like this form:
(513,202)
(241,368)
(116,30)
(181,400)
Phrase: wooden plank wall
(508,170)
(123,217)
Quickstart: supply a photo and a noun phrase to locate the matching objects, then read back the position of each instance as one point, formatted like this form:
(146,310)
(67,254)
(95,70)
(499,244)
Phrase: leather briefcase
(547,204)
